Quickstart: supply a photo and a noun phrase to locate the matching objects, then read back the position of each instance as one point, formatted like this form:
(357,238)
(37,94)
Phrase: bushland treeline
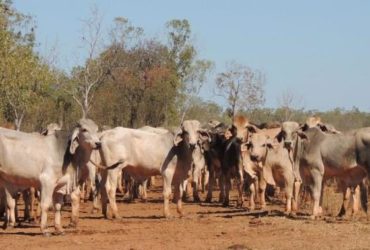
(129,80)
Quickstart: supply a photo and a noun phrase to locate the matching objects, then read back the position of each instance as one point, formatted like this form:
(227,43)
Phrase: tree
(288,104)
(242,87)
(87,78)
(191,71)
(24,78)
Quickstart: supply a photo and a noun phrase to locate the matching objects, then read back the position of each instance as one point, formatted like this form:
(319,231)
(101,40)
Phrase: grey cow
(324,155)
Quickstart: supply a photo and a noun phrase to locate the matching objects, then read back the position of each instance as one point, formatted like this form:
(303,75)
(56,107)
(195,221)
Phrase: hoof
(59,233)
(196,199)
(94,210)
(181,213)
(117,217)
(72,225)
(46,234)
(239,205)
(169,217)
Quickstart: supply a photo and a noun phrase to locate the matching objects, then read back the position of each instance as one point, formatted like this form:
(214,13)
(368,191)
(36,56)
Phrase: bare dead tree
(87,78)
(242,87)
(288,102)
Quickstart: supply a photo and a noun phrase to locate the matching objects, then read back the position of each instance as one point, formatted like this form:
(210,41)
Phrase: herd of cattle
(56,163)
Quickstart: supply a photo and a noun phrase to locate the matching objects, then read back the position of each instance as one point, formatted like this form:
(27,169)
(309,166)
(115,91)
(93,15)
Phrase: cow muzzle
(254,158)
(97,145)
(288,145)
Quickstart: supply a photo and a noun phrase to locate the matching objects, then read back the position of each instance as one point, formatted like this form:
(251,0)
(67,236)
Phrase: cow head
(51,128)
(85,135)
(188,132)
(315,121)
(288,134)
(240,123)
(258,145)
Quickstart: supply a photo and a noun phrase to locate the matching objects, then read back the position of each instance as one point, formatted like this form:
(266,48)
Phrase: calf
(277,165)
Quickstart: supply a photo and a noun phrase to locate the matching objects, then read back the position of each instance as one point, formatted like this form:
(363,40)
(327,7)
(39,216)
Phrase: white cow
(144,153)
(53,163)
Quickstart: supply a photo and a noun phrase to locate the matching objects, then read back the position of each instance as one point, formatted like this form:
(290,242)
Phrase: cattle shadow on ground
(223,212)
(92,217)
(255,214)
(20,233)
(215,204)
(150,217)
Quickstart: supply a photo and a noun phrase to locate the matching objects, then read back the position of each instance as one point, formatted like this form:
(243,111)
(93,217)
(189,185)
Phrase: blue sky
(318,50)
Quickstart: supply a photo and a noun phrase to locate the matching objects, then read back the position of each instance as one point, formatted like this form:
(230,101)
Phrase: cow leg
(143,194)
(75,202)
(211,184)
(167,179)
(27,204)
(221,183)
(262,190)
(104,195)
(95,188)
(83,191)
(205,180)
(32,203)
(88,184)
(345,203)
(10,217)
(119,182)
(2,202)
(46,200)
(227,187)
(94,183)
(196,176)
(179,190)
(187,187)
(289,196)
(111,187)
(316,189)
(252,188)
(58,202)
(240,185)
(297,185)
(356,200)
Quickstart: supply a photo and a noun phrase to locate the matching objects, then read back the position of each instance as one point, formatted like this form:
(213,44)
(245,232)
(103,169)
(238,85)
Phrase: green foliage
(24,78)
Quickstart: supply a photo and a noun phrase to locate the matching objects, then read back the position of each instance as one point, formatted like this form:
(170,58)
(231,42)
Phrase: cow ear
(177,139)
(302,135)
(279,137)
(251,128)
(244,147)
(178,136)
(74,141)
(270,142)
(303,127)
(323,127)
(45,132)
(204,135)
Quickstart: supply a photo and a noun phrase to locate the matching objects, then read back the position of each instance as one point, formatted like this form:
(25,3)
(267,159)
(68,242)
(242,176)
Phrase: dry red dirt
(206,226)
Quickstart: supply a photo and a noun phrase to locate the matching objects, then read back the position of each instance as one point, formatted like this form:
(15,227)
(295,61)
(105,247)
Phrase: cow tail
(364,194)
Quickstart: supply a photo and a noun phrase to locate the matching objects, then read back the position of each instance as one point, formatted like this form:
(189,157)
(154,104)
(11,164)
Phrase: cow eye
(84,130)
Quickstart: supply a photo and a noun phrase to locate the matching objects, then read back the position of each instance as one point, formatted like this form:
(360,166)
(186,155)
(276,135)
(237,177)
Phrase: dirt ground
(205,226)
